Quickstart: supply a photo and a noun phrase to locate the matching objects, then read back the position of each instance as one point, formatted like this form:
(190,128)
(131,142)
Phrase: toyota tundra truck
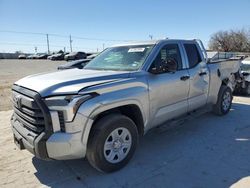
(100,112)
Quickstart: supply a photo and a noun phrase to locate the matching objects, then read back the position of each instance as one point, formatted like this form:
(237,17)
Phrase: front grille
(27,112)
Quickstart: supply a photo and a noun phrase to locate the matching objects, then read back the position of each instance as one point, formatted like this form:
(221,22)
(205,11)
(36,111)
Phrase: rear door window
(193,55)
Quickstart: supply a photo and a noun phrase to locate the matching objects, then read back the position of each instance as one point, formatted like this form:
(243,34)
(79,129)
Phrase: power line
(27,44)
(48,36)
(100,39)
(32,33)
(57,35)
(64,36)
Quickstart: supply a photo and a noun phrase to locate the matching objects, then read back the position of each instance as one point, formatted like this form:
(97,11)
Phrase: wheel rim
(226,101)
(117,145)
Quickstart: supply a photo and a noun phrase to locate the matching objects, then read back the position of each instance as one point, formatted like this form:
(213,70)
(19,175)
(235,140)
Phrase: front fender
(108,101)
(130,96)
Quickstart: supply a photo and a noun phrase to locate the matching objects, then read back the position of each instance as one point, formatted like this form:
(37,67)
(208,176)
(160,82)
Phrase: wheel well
(131,111)
(226,82)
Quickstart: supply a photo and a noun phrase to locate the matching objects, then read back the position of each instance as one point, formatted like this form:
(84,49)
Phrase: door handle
(202,73)
(184,78)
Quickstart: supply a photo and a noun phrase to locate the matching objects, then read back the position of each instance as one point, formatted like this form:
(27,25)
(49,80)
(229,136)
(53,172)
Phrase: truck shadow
(209,151)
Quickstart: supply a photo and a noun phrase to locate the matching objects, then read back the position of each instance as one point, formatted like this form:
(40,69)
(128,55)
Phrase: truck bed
(221,71)
(225,66)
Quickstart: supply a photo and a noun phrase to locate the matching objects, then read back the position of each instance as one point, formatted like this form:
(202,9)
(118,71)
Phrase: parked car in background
(74,64)
(22,56)
(42,56)
(77,63)
(57,56)
(92,56)
(32,56)
(75,56)
(37,56)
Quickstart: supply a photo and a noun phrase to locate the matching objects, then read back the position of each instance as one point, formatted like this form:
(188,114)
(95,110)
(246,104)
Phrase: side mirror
(154,70)
(169,65)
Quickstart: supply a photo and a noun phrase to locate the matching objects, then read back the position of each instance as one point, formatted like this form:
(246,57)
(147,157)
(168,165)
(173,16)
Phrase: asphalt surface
(208,151)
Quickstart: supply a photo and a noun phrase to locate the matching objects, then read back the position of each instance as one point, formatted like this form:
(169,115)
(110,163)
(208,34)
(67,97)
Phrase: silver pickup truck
(100,112)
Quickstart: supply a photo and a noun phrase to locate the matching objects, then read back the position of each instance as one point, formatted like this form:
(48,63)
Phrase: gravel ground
(208,151)
(13,70)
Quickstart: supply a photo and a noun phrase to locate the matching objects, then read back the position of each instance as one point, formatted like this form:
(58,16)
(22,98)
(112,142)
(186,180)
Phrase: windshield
(124,58)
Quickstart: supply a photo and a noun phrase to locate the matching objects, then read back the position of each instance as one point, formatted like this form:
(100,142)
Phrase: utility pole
(47,35)
(151,37)
(103,46)
(64,49)
(70,43)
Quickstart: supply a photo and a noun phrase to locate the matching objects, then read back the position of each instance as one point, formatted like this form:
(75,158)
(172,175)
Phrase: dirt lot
(208,151)
(13,70)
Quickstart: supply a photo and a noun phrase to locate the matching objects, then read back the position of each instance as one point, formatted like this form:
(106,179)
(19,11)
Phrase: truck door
(199,76)
(168,91)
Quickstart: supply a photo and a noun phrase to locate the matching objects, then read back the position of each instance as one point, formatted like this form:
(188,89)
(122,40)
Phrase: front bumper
(70,144)
(40,131)
(26,139)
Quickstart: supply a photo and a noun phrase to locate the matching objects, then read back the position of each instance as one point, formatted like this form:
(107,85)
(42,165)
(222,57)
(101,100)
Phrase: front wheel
(224,101)
(112,143)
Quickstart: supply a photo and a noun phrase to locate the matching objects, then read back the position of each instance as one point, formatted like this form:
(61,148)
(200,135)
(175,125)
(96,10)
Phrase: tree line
(230,41)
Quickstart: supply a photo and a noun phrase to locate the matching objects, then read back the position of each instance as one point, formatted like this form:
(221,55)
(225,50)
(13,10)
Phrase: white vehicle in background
(243,80)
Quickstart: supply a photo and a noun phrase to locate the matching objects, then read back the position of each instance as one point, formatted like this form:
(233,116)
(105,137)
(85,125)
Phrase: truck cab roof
(152,42)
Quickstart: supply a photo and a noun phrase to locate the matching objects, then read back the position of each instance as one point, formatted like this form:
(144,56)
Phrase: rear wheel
(112,143)
(224,101)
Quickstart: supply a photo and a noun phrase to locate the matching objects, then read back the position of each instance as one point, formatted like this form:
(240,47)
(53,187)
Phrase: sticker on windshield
(136,49)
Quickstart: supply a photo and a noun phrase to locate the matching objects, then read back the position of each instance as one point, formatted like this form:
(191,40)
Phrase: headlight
(67,104)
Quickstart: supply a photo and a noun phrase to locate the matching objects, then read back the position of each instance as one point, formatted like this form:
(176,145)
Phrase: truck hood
(69,81)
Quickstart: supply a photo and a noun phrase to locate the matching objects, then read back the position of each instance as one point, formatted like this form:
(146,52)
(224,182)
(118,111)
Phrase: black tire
(100,133)
(218,107)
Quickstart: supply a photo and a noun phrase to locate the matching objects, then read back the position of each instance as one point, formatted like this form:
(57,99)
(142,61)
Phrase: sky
(113,21)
